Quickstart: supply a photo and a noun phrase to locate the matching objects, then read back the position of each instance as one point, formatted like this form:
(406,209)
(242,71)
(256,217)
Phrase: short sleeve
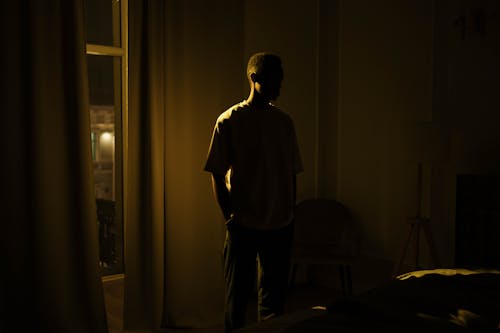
(218,159)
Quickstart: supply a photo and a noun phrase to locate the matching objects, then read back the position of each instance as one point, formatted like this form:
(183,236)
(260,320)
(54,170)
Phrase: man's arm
(222,195)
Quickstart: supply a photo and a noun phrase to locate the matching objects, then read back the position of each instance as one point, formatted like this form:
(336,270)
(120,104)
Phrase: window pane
(103,22)
(105,122)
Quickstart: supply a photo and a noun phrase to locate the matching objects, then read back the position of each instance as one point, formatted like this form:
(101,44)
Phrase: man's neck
(257,100)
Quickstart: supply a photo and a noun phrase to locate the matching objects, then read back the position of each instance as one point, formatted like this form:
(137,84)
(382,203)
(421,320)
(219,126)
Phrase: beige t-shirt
(259,148)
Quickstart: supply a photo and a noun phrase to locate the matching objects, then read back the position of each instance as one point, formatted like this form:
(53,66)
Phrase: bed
(439,300)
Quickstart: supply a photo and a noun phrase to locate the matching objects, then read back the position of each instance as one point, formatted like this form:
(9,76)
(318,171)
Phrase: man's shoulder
(231,111)
(284,116)
(279,111)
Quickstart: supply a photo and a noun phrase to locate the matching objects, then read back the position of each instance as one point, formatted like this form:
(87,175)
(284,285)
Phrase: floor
(365,275)
(300,297)
(113,297)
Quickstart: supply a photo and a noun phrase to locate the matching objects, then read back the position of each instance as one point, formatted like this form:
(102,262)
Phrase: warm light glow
(106,136)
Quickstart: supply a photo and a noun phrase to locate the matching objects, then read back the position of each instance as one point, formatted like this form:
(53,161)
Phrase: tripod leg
(417,243)
(431,244)
(397,269)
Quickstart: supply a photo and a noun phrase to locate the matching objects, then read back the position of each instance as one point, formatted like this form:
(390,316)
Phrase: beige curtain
(145,187)
(186,67)
(48,238)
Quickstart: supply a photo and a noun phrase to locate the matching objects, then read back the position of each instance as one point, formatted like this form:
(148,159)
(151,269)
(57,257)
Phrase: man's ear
(253,77)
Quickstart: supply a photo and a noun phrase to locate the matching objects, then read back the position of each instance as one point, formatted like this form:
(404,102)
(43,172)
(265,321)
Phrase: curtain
(185,67)
(48,240)
(144,292)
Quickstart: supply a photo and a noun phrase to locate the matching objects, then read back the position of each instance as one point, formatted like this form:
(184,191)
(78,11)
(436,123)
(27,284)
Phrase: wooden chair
(325,234)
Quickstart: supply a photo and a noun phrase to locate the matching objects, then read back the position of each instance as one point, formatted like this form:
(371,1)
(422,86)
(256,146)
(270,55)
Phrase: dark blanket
(433,302)
(422,301)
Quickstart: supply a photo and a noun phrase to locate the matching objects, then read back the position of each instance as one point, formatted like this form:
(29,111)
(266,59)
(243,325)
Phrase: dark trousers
(241,248)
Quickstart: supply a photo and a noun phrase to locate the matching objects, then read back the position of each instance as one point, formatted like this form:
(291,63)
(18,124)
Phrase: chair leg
(293,273)
(349,279)
(342,280)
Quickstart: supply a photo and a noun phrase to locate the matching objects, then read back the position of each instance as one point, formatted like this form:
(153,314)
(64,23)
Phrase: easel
(416,224)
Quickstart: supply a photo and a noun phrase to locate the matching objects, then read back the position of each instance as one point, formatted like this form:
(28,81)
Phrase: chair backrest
(323,223)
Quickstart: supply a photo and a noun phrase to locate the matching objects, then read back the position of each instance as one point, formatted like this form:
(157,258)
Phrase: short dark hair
(263,61)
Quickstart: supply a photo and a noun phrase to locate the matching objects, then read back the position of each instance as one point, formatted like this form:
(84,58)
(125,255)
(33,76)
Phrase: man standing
(255,146)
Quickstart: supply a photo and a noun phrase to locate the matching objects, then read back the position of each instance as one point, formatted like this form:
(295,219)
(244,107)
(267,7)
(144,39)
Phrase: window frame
(122,52)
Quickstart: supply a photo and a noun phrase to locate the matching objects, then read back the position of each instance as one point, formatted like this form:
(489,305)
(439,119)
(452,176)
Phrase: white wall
(412,88)
(467,76)
(385,90)
(359,80)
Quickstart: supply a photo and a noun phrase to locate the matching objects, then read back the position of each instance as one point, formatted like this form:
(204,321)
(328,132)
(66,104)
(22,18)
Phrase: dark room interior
(109,220)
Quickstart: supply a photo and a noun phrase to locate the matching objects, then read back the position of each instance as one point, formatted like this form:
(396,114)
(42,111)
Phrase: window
(106,31)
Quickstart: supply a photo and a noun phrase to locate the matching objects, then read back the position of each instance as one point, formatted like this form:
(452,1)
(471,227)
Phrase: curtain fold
(49,244)
(144,294)
(185,67)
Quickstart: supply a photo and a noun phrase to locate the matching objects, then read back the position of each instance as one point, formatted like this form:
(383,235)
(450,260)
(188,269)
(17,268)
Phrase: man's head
(265,74)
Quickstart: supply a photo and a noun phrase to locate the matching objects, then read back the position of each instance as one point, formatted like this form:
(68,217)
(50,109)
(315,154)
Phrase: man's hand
(222,195)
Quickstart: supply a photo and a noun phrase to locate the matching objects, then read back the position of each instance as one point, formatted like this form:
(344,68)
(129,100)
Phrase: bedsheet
(440,300)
